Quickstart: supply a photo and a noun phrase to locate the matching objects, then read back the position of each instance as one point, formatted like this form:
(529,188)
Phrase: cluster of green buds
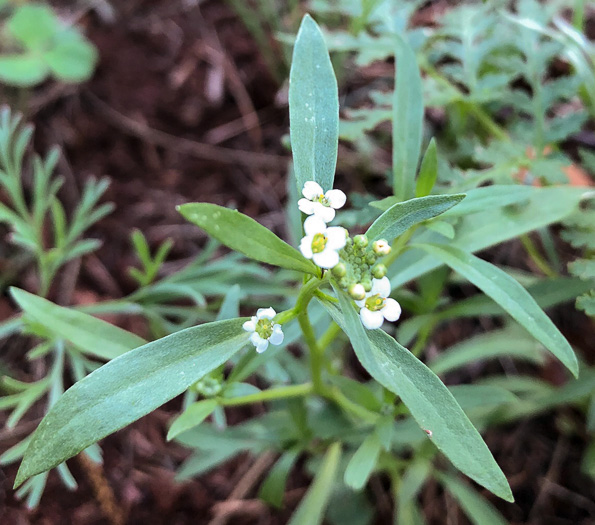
(359,265)
(208,386)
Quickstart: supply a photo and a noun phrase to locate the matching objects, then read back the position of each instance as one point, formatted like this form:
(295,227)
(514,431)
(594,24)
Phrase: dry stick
(186,146)
(103,492)
(226,509)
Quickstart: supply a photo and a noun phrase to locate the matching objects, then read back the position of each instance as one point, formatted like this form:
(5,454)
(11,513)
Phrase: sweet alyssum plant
(343,288)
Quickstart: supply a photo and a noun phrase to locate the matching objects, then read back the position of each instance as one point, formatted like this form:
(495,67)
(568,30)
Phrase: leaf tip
(20,478)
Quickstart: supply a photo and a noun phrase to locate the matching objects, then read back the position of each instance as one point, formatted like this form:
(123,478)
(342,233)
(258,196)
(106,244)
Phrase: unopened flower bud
(357,291)
(339,270)
(371,258)
(361,241)
(344,282)
(381,247)
(379,271)
(367,284)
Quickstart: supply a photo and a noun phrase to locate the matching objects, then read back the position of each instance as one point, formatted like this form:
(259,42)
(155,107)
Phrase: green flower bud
(381,247)
(371,258)
(344,283)
(360,241)
(339,270)
(357,291)
(367,284)
(379,271)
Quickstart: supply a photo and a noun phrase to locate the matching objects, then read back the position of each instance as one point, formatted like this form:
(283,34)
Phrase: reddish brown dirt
(170,72)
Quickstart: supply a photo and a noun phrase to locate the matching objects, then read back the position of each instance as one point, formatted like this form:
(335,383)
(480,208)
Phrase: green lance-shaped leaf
(311,509)
(313,108)
(243,234)
(127,388)
(362,463)
(193,416)
(401,216)
(90,334)
(479,510)
(428,172)
(511,296)
(408,114)
(272,489)
(429,401)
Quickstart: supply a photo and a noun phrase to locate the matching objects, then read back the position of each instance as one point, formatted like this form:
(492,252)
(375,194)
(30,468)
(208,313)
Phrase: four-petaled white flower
(378,306)
(321,204)
(322,243)
(264,330)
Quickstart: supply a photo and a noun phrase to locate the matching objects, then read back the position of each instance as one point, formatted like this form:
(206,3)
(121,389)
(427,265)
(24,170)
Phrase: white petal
(391,310)
(314,225)
(381,287)
(249,326)
(262,346)
(265,313)
(312,190)
(327,258)
(371,320)
(336,237)
(306,206)
(324,212)
(255,339)
(336,198)
(277,335)
(306,246)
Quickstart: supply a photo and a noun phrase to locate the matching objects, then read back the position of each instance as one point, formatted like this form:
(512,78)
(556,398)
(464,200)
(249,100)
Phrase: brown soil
(179,94)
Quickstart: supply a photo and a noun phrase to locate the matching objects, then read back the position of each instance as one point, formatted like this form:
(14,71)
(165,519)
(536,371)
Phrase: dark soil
(179,94)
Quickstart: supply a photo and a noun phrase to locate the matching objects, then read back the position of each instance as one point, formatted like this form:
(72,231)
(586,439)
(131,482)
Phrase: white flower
(378,306)
(321,243)
(321,204)
(264,330)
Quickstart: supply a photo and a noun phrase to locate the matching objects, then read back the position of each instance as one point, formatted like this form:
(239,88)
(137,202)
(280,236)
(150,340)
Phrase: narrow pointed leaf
(127,388)
(428,172)
(313,108)
(401,216)
(90,334)
(408,114)
(311,509)
(272,489)
(479,510)
(511,296)
(193,416)
(362,463)
(243,234)
(429,401)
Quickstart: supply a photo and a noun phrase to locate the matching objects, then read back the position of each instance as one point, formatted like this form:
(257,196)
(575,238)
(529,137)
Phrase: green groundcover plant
(343,288)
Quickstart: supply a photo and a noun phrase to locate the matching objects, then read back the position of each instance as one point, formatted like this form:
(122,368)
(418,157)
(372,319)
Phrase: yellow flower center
(323,200)
(319,242)
(264,328)
(374,303)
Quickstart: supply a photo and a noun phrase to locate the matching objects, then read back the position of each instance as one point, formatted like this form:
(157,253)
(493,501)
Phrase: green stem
(271,394)
(315,353)
(329,336)
(539,261)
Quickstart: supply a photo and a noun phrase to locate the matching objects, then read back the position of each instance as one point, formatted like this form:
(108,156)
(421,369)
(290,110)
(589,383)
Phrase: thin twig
(183,145)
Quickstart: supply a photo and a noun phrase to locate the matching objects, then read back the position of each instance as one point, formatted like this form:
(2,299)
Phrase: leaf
(362,463)
(72,58)
(22,70)
(479,510)
(91,335)
(243,234)
(429,401)
(311,509)
(313,108)
(272,489)
(34,26)
(193,416)
(428,172)
(401,216)
(509,342)
(408,114)
(489,227)
(511,296)
(128,388)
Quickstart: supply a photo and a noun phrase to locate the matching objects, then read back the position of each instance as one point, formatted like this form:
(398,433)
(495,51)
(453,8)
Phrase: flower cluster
(353,262)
